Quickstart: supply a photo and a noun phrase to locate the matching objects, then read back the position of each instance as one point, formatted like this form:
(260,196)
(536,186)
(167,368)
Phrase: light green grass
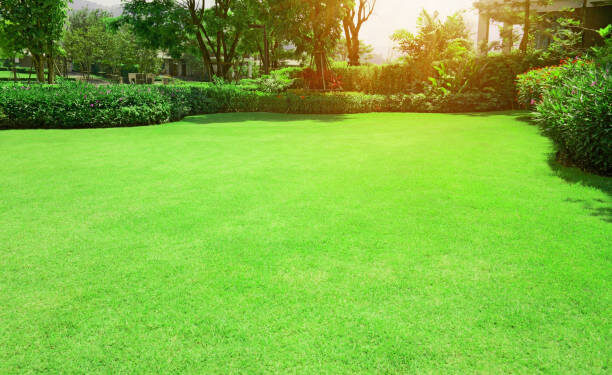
(9,74)
(256,243)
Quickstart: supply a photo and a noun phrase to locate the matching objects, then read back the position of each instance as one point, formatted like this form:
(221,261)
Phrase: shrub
(277,81)
(492,75)
(575,111)
(379,79)
(75,105)
(70,105)
(532,84)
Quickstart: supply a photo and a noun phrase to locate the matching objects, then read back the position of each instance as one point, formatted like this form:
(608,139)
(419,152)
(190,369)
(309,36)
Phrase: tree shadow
(236,117)
(519,114)
(597,207)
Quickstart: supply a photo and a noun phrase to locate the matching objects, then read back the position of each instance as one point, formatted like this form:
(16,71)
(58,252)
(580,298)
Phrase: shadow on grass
(597,207)
(236,117)
(519,114)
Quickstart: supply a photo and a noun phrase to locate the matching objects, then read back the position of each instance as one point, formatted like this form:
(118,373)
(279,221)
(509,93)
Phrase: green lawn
(9,74)
(256,243)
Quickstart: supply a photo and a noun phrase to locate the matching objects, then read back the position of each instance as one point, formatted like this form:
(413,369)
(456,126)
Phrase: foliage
(91,37)
(576,114)
(441,51)
(314,28)
(35,26)
(566,38)
(75,105)
(277,81)
(573,104)
(159,24)
(85,40)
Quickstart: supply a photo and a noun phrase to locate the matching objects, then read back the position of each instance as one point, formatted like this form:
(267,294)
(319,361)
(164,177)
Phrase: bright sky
(391,15)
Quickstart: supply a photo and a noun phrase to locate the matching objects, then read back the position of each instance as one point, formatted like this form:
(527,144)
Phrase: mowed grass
(265,243)
(9,74)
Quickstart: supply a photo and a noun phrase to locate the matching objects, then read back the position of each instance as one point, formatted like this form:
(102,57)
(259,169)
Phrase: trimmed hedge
(81,105)
(573,104)
(74,105)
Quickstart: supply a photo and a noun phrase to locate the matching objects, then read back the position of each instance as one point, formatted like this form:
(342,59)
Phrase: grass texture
(268,243)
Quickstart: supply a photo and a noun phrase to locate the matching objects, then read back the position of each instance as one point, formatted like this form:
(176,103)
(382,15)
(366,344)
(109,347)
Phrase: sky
(392,15)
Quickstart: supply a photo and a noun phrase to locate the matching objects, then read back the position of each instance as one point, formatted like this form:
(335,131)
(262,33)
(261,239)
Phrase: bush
(77,105)
(575,111)
(531,85)
(277,81)
(71,105)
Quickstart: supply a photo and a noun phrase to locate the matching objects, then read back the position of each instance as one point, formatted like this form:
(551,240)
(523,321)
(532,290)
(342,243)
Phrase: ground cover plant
(255,242)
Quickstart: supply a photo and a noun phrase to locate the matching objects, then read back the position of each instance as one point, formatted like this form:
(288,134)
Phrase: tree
(352,22)
(38,24)
(365,51)
(433,37)
(175,25)
(85,40)
(438,48)
(314,27)
(9,46)
(268,29)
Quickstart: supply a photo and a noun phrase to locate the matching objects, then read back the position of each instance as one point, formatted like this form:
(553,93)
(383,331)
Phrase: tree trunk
(347,36)
(50,64)
(205,57)
(354,52)
(266,52)
(526,28)
(39,64)
(583,22)
(14,66)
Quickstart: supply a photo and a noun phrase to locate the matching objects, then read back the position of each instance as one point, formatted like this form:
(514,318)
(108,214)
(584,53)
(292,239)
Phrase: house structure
(596,14)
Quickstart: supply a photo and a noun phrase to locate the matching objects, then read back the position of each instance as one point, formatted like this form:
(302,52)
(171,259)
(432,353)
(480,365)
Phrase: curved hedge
(80,105)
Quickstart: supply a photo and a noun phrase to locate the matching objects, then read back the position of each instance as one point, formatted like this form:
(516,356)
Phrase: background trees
(93,38)
(86,41)
(35,26)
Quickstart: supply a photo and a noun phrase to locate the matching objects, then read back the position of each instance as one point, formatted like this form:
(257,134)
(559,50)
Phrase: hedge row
(81,105)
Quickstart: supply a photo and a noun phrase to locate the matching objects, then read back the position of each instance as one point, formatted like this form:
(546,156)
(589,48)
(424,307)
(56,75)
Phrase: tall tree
(10,47)
(86,40)
(314,27)
(356,15)
(216,27)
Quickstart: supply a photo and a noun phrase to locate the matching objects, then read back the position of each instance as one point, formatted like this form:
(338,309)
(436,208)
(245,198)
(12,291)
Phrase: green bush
(575,111)
(277,81)
(77,105)
(72,105)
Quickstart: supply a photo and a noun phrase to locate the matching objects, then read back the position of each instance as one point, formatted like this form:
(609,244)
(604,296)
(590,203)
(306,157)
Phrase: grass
(257,243)
(9,74)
